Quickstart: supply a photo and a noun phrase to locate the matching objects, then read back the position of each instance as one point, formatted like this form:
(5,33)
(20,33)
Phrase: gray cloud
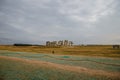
(83,21)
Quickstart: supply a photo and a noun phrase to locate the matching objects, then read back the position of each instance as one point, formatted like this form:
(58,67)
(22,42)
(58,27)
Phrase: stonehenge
(59,43)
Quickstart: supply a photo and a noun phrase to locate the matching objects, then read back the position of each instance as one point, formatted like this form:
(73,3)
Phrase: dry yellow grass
(101,51)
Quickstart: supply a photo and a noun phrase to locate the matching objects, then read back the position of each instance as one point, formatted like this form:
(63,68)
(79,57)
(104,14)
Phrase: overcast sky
(81,21)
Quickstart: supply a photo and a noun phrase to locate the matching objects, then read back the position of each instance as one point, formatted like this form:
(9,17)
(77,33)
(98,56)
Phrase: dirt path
(77,69)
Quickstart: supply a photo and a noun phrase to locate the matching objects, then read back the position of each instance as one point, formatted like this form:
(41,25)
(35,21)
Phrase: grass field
(21,69)
(100,51)
(75,63)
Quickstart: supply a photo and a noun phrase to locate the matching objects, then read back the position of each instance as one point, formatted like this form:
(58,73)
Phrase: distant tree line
(16,44)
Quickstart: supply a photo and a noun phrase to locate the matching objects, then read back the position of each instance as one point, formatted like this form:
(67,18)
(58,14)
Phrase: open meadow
(100,51)
(66,63)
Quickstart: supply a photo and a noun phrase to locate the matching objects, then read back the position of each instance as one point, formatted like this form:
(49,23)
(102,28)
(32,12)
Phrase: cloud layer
(82,21)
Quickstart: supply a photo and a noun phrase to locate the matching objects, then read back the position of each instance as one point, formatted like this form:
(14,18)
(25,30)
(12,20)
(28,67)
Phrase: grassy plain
(22,69)
(99,51)
(67,63)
